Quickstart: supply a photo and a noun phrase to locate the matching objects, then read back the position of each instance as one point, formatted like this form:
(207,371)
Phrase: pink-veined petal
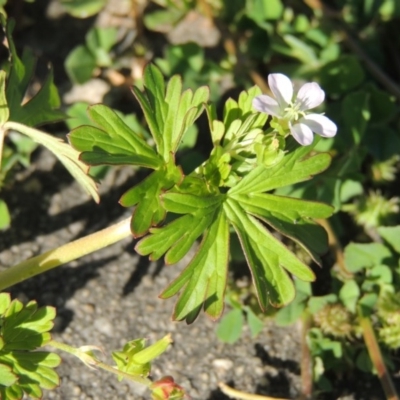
(266,104)
(302,133)
(310,96)
(320,124)
(282,88)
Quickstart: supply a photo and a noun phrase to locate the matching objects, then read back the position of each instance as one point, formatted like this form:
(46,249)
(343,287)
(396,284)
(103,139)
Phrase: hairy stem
(93,362)
(375,353)
(63,254)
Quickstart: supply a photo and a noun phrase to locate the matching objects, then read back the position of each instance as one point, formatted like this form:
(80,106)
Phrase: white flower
(292,111)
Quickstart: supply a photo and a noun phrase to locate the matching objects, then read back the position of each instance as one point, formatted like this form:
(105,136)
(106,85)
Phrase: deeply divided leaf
(292,169)
(112,141)
(229,190)
(22,330)
(202,283)
(168,111)
(176,238)
(145,196)
(292,218)
(269,260)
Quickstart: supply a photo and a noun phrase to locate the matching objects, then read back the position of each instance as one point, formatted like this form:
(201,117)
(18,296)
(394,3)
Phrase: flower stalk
(94,362)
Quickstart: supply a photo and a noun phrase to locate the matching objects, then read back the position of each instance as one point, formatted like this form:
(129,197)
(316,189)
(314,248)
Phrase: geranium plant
(263,149)
(230,190)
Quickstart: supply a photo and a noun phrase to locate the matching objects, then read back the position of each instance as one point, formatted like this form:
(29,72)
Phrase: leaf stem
(63,254)
(375,353)
(63,151)
(91,361)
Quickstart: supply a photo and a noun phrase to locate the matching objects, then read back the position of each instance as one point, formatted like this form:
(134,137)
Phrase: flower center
(293,113)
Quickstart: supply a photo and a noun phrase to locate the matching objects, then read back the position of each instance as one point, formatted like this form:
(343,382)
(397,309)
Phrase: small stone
(239,371)
(75,227)
(55,10)
(196,28)
(204,377)
(223,364)
(88,308)
(91,92)
(76,391)
(104,326)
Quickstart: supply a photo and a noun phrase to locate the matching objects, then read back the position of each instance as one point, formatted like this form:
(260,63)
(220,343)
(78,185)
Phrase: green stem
(63,254)
(375,353)
(94,362)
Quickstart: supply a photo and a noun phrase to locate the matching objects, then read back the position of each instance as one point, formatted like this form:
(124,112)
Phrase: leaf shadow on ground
(56,287)
(279,383)
(30,212)
(142,268)
(218,395)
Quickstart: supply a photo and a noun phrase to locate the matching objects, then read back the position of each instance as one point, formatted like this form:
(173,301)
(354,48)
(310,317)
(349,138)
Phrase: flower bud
(167,389)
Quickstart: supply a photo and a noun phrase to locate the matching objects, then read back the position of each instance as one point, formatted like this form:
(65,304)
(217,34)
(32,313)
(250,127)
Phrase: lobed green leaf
(7,377)
(113,142)
(175,239)
(149,209)
(153,104)
(267,258)
(203,282)
(169,112)
(183,203)
(291,217)
(292,169)
(23,329)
